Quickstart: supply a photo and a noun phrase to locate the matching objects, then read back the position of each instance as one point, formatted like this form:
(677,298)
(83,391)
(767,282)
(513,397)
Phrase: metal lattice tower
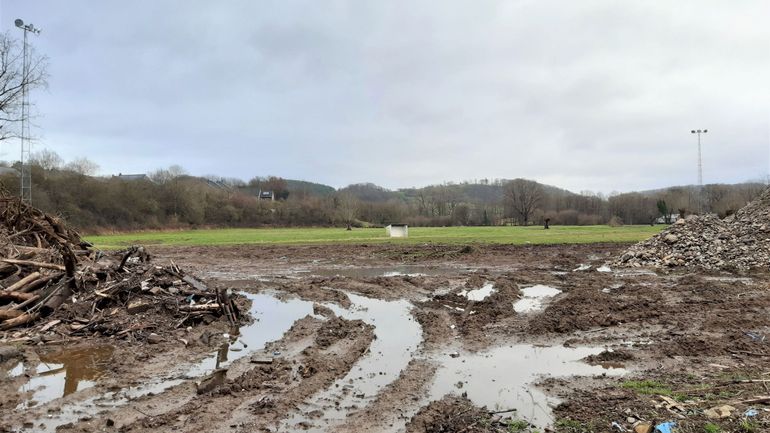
(26,151)
(700,168)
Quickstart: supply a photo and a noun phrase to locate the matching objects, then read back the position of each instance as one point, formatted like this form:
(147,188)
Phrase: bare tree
(46,159)
(347,208)
(13,81)
(522,197)
(82,166)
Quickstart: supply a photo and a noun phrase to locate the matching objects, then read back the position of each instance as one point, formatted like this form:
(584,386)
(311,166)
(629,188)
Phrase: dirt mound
(739,242)
(48,271)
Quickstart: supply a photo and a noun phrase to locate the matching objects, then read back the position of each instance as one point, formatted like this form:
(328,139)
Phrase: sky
(588,95)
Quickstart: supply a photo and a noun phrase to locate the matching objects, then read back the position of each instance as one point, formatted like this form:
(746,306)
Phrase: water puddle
(478,294)
(71,371)
(502,378)
(533,297)
(398,337)
(64,372)
(384,271)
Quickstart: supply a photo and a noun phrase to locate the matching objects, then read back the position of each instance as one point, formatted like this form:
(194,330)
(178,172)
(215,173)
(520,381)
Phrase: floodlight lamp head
(693,131)
(19,23)
(705,131)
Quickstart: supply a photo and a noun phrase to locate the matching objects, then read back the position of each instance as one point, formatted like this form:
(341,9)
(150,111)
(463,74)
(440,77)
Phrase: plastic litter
(617,426)
(751,412)
(666,427)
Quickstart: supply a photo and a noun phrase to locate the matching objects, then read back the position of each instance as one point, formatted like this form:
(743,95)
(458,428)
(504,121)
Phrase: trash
(618,427)
(750,413)
(604,268)
(455,354)
(717,412)
(666,427)
(261,360)
(644,427)
(755,336)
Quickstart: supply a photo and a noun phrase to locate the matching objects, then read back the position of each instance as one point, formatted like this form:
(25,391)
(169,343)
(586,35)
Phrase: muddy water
(62,373)
(502,378)
(398,337)
(478,294)
(532,298)
(75,370)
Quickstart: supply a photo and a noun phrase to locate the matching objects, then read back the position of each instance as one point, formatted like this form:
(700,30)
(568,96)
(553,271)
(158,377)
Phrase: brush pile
(48,271)
(739,242)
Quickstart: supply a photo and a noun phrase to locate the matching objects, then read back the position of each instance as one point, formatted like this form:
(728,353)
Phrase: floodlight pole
(26,172)
(700,167)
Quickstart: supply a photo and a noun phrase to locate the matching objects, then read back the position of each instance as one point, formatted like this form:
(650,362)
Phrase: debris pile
(48,271)
(739,242)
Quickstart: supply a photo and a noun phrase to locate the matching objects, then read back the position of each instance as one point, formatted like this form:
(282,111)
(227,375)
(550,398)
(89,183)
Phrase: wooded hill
(170,198)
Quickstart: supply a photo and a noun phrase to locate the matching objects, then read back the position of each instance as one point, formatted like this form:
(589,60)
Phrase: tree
(13,81)
(46,159)
(347,208)
(522,197)
(82,166)
(663,209)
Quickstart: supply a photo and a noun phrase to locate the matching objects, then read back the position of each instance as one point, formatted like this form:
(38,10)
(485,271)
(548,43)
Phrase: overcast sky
(586,95)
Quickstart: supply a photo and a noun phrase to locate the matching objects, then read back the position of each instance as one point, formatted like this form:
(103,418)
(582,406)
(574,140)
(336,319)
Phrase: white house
(397,230)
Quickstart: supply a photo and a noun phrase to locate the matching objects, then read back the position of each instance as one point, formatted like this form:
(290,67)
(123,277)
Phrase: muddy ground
(372,339)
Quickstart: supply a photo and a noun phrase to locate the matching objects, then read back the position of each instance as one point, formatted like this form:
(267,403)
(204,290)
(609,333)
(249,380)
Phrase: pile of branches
(48,271)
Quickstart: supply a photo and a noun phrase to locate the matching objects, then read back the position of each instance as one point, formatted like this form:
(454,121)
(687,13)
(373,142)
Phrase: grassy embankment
(442,235)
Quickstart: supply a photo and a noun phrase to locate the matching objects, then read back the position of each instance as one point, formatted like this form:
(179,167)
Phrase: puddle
(533,297)
(62,373)
(398,337)
(478,294)
(384,271)
(502,378)
(72,371)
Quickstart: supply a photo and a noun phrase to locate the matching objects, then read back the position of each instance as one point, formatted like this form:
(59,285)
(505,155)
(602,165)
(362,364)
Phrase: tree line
(170,198)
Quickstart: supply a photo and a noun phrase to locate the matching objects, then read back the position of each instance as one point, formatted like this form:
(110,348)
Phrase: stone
(718,412)
(9,352)
(644,427)
(671,239)
(154,338)
(139,306)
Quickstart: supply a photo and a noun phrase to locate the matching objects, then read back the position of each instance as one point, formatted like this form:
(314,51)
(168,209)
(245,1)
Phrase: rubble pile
(48,271)
(739,242)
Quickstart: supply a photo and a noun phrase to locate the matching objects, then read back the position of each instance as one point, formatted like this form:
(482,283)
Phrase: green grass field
(444,235)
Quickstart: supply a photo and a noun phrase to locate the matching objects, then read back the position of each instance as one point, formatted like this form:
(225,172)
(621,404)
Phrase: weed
(647,387)
(710,427)
(518,425)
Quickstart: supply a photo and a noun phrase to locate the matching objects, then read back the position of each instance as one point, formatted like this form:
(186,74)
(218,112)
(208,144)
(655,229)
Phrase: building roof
(141,176)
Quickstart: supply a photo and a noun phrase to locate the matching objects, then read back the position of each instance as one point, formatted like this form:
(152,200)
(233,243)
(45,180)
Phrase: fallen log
(15,296)
(10,314)
(33,264)
(200,307)
(18,321)
(19,285)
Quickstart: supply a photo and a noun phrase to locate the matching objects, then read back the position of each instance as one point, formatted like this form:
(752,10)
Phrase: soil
(688,341)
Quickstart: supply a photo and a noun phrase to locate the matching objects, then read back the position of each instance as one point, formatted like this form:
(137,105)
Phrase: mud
(392,338)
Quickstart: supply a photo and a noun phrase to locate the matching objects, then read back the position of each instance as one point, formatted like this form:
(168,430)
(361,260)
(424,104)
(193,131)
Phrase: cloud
(595,95)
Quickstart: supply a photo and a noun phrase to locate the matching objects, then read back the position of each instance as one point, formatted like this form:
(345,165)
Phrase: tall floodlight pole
(26,173)
(700,167)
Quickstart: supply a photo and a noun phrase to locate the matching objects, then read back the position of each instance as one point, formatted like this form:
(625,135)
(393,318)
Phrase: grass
(444,235)
(647,387)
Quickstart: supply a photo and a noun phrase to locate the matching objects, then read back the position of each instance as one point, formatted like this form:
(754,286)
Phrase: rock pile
(739,242)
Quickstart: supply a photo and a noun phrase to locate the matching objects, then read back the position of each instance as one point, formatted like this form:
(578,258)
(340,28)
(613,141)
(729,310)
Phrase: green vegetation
(449,235)
(518,425)
(747,426)
(711,428)
(571,426)
(647,387)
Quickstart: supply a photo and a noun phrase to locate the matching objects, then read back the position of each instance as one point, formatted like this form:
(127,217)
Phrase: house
(672,219)
(397,230)
(266,195)
(132,177)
